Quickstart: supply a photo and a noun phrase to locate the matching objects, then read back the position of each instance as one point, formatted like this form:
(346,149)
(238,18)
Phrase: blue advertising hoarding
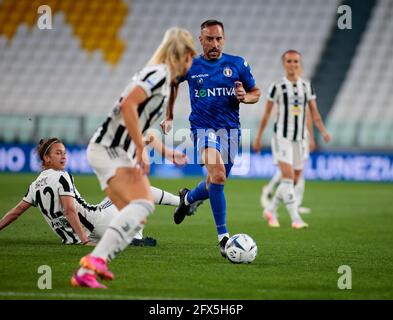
(321,166)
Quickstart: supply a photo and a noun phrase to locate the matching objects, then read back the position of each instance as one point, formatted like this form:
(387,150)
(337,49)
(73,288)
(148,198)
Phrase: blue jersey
(212,91)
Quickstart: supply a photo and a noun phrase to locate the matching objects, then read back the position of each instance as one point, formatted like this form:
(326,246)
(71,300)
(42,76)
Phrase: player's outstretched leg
(163,197)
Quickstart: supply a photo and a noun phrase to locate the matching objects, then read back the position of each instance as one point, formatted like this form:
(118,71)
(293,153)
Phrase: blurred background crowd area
(63,81)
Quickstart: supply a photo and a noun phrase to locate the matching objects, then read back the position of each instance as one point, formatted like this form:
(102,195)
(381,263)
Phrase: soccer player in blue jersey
(218,83)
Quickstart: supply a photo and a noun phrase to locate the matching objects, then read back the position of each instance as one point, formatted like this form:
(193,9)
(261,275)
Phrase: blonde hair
(173,50)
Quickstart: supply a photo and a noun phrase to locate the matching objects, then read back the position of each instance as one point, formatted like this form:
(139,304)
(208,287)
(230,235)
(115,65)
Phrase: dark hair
(290,51)
(44,147)
(212,22)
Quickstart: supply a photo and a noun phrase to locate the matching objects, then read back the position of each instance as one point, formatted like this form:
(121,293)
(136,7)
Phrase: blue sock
(199,193)
(218,205)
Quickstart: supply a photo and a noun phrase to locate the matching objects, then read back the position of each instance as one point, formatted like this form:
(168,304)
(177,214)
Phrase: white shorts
(105,161)
(101,219)
(291,152)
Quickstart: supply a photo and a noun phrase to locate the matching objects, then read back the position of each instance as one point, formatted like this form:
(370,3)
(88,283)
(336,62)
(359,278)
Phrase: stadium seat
(79,68)
(74,36)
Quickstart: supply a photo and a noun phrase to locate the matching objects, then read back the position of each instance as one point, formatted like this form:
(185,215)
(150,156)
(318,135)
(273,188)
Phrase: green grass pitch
(350,224)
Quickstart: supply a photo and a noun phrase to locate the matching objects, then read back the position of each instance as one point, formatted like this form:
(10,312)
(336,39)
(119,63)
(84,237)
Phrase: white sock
(164,197)
(274,181)
(287,191)
(299,190)
(123,228)
(220,236)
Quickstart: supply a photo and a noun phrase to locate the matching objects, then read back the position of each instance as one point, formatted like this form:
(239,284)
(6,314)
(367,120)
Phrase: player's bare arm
(129,112)
(257,145)
(310,129)
(171,101)
(72,217)
(166,124)
(318,121)
(14,214)
(176,157)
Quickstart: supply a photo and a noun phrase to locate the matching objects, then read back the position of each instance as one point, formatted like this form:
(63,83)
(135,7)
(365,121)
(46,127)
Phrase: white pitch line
(77,295)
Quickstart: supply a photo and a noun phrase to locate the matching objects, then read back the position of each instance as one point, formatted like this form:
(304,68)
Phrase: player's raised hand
(166,125)
(240,91)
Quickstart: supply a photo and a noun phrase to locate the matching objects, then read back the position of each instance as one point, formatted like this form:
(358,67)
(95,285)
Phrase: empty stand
(67,128)
(80,66)
(366,96)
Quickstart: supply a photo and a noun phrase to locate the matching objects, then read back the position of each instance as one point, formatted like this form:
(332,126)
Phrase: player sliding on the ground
(292,95)
(72,219)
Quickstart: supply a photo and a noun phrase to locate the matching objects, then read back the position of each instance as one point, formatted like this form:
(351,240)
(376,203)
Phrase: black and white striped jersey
(45,193)
(155,81)
(291,100)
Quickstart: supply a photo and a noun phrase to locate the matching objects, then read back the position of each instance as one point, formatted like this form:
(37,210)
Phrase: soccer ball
(241,248)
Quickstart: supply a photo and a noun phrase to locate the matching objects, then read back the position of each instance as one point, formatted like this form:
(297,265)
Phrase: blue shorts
(225,141)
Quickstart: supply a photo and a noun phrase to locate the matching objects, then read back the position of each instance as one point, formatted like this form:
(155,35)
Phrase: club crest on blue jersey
(227,72)
(212,136)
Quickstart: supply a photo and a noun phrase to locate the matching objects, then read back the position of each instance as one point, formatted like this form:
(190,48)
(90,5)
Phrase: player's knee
(219,177)
(287,174)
